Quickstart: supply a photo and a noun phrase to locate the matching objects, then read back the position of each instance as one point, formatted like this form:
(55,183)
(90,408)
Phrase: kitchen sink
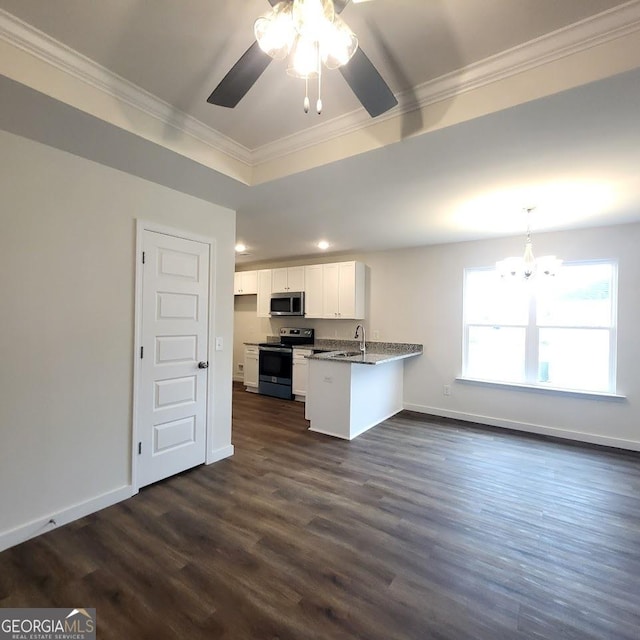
(345,354)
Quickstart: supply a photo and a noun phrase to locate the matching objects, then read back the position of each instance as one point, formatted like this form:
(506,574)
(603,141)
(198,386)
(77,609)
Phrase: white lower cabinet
(251,356)
(300,372)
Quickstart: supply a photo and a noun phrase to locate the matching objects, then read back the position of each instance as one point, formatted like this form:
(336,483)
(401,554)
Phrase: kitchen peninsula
(350,391)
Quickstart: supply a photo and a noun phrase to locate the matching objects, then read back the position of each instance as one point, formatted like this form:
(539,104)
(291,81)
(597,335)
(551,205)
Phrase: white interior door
(172,389)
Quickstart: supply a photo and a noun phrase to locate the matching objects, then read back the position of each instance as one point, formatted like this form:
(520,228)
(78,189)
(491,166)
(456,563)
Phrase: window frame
(532,336)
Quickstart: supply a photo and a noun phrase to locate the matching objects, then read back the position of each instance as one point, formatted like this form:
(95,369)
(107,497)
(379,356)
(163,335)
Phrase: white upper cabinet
(343,290)
(313,291)
(264,293)
(245,282)
(334,290)
(287,279)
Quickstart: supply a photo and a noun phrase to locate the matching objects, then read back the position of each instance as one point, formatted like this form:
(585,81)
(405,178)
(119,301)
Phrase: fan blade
(368,85)
(339,5)
(240,78)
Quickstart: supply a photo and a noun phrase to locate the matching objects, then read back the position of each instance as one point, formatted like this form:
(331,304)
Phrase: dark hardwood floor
(421,528)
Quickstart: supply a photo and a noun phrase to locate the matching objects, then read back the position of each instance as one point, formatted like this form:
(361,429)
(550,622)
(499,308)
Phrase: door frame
(141,227)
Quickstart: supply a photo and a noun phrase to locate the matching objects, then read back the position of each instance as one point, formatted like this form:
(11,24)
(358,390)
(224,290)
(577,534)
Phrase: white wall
(415,295)
(67,265)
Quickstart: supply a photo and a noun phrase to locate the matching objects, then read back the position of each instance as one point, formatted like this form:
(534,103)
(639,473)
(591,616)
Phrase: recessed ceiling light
(240,247)
(323,244)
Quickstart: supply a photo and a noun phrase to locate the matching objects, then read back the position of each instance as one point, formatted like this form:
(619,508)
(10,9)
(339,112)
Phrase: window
(555,332)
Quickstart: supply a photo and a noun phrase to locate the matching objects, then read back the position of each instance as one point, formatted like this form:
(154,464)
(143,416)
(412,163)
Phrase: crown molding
(581,36)
(578,37)
(36,43)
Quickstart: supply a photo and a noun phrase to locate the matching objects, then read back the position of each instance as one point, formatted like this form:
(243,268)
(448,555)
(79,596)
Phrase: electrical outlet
(241,367)
(376,334)
(446,390)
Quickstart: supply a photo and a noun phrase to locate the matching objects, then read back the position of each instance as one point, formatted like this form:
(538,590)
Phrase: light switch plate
(219,343)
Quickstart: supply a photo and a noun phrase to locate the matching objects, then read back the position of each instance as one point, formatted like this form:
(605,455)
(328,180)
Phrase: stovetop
(292,337)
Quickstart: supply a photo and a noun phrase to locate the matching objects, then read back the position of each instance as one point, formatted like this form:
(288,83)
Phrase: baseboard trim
(36,527)
(528,427)
(220,454)
(328,433)
(360,431)
(377,422)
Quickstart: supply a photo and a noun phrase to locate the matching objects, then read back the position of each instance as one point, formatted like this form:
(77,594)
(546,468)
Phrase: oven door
(275,368)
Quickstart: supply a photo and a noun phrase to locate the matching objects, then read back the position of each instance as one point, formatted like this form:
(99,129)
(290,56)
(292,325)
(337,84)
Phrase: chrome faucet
(363,339)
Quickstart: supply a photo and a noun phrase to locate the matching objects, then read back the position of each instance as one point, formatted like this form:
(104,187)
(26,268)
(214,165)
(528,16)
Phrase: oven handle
(277,349)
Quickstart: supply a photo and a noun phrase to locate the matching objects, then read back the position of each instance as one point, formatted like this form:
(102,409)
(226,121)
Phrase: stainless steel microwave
(290,303)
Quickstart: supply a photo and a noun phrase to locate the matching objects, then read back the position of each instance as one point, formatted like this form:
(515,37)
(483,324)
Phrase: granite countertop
(375,353)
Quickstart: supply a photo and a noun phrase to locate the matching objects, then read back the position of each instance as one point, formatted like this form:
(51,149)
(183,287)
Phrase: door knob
(203,365)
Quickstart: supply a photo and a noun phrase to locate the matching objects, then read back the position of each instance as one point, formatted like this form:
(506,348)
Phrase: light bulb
(303,62)
(275,33)
(338,44)
(310,17)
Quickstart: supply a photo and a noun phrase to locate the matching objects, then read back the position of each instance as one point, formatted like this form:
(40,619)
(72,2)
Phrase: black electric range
(275,363)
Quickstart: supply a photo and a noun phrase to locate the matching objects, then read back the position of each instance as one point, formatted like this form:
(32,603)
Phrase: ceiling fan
(299,27)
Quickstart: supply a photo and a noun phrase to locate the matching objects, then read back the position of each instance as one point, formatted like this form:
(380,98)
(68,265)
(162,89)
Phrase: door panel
(174,434)
(173,390)
(178,306)
(174,349)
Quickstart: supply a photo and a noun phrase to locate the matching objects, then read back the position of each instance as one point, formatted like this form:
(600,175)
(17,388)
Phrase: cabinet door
(249,282)
(295,278)
(347,290)
(279,280)
(245,282)
(331,280)
(237,283)
(313,291)
(264,293)
(251,367)
(300,372)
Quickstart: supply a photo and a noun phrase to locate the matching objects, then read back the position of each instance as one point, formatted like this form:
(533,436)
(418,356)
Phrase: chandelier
(528,265)
(311,34)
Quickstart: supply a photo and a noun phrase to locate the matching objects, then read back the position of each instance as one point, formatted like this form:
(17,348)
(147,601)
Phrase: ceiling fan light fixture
(311,18)
(275,32)
(300,26)
(338,45)
(303,62)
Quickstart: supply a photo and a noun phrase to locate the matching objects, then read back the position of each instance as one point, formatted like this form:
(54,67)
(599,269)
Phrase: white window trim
(558,391)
